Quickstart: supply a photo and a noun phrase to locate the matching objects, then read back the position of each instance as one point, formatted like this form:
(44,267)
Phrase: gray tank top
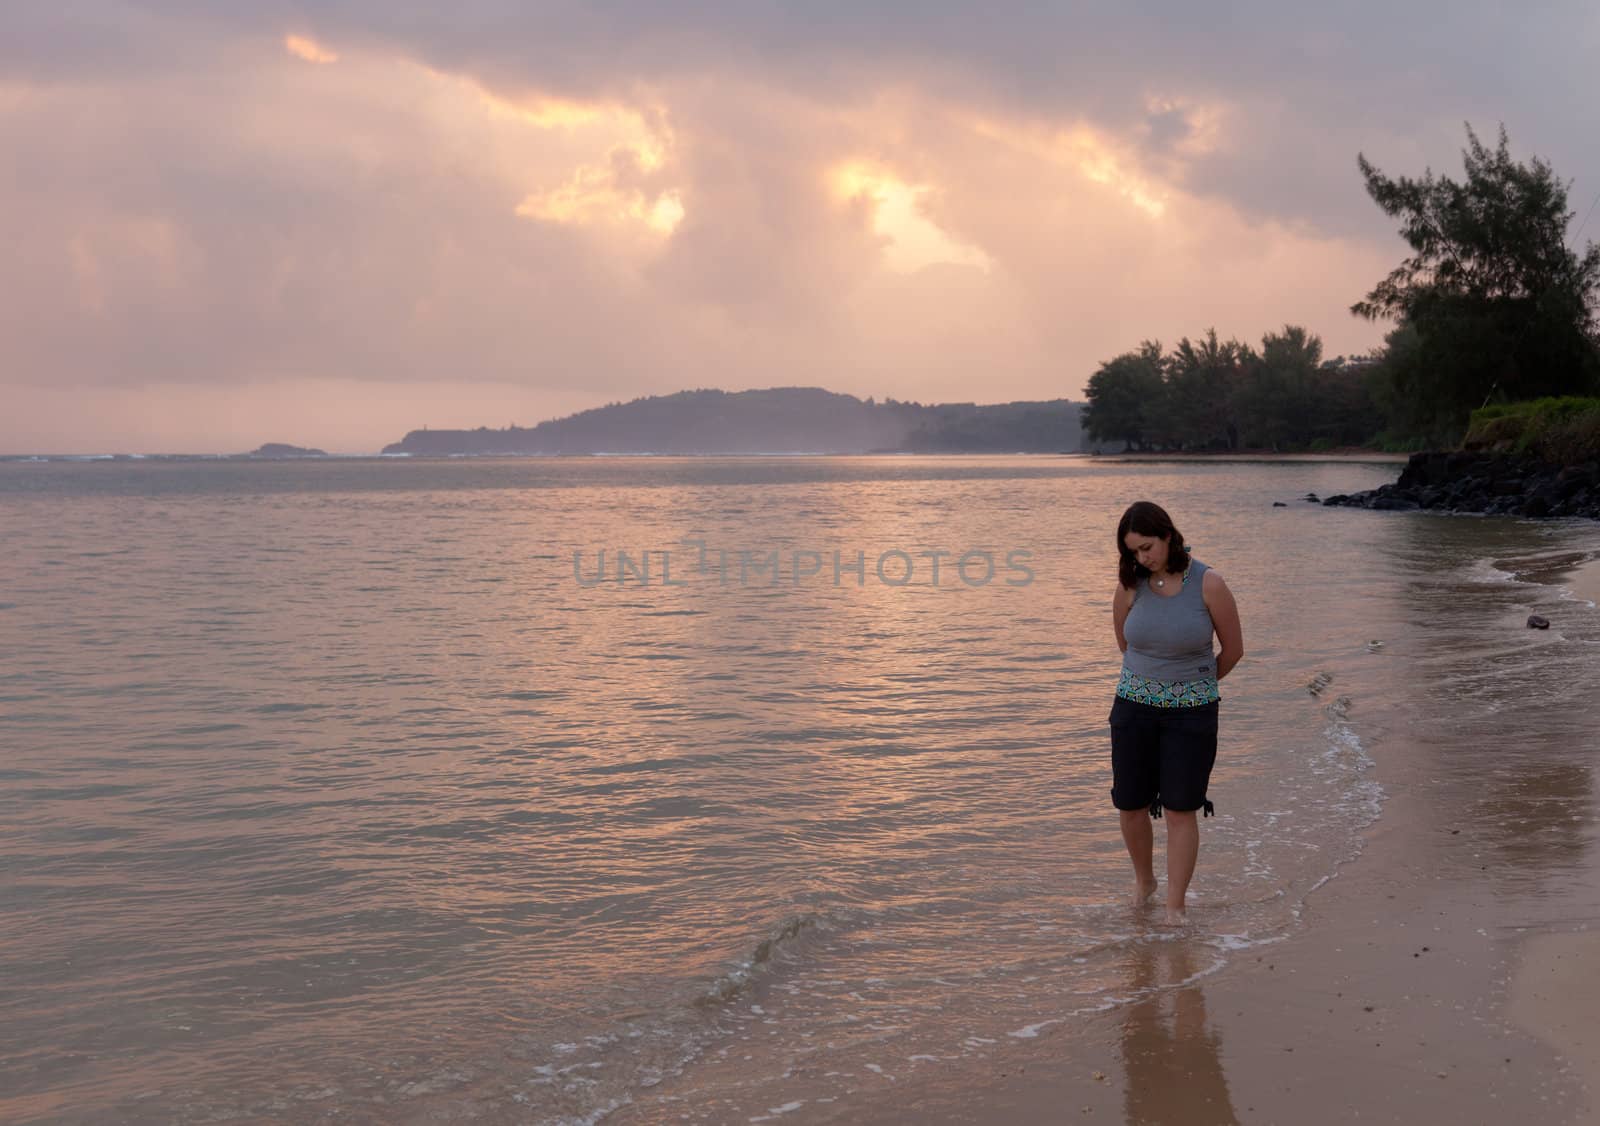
(1169,637)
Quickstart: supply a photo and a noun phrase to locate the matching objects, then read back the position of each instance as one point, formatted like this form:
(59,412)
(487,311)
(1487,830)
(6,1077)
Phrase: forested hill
(773,420)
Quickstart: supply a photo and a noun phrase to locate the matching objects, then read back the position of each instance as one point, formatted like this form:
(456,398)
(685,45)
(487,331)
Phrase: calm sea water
(338,790)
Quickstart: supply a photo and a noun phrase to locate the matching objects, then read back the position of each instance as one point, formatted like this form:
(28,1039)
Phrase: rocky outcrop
(1488,483)
(283,449)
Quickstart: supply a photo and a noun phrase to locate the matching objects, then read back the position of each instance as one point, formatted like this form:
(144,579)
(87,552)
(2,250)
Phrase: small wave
(1490,571)
(737,980)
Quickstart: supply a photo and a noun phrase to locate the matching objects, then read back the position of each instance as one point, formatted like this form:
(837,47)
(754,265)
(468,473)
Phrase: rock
(1279,504)
(1486,483)
(1430,467)
(283,449)
(1536,622)
(1570,485)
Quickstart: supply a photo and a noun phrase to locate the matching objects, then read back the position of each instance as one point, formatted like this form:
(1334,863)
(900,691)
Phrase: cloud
(570,200)
(309,50)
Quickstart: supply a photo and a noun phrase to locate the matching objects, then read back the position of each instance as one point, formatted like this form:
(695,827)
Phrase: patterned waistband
(1168,693)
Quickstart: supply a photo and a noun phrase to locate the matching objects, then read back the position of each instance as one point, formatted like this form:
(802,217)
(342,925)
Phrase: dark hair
(1146,518)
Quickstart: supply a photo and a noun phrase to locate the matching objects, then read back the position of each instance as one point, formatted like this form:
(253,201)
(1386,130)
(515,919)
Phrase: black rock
(1536,622)
(1430,467)
(1279,504)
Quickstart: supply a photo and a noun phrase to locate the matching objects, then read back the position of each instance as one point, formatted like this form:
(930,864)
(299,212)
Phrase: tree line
(1491,306)
(1225,395)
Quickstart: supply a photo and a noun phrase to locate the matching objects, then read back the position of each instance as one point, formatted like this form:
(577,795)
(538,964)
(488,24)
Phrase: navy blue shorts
(1162,756)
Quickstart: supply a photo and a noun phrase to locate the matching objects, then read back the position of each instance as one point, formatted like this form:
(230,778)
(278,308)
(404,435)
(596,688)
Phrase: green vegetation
(1224,395)
(1562,430)
(1491,306)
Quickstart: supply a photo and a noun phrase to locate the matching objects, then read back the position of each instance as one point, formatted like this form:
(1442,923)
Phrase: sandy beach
(1393,1004)
(1403,998)
(1584,582)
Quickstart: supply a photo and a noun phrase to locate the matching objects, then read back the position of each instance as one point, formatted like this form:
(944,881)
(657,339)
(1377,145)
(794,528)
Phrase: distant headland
(283,449)
(776,420)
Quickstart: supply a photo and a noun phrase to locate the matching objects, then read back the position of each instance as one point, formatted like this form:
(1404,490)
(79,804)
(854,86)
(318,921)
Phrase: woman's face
(1150,551)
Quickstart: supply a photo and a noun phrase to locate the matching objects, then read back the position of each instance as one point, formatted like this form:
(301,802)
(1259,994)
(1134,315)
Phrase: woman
(1164,718)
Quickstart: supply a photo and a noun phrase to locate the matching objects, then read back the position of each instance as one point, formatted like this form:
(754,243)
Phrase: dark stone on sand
(1536,622)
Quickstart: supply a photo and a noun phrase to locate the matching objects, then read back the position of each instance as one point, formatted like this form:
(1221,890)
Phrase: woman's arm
(1225,620)
(1121,603)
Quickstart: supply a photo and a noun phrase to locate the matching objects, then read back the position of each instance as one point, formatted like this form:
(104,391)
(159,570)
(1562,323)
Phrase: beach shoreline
(1389,1004)
(1406,991)
(1584,582)
(1404,994)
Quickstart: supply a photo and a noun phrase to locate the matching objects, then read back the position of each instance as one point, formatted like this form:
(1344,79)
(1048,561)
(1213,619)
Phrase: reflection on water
(328,786)
(1171,1053)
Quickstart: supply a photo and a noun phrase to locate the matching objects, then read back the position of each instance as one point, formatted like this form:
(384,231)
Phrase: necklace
(1163,582)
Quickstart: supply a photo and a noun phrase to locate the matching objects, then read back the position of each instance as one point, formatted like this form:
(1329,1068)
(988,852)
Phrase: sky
(331,223)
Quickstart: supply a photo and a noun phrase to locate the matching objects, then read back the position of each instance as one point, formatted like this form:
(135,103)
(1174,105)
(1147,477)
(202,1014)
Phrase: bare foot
(1177,917)
(1142,892)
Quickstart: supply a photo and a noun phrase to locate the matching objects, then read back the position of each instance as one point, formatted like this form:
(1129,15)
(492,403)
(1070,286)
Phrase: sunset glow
(899,216)
(1084,150)
(396,196)
(310,50)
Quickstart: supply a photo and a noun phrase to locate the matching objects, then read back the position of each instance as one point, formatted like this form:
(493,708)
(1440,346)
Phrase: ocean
(561,789)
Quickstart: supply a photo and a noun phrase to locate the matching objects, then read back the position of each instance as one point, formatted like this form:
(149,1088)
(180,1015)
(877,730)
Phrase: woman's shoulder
(1210,579)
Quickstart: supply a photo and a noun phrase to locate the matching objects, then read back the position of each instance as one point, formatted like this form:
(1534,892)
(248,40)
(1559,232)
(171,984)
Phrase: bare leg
(1139,836)
(1183,849)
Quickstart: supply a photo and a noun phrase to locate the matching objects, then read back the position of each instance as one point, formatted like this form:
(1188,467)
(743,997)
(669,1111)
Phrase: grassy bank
(1562,431)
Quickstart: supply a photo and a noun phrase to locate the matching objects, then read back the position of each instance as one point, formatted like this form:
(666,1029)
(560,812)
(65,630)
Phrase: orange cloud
(907,243)
(302,47)
(899,215)
(1079,147)
(617,179)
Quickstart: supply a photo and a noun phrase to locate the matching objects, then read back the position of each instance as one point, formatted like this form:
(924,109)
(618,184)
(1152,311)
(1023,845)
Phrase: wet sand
(1414,989)
(1556,996)
(1584,582)
(1398,1000)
